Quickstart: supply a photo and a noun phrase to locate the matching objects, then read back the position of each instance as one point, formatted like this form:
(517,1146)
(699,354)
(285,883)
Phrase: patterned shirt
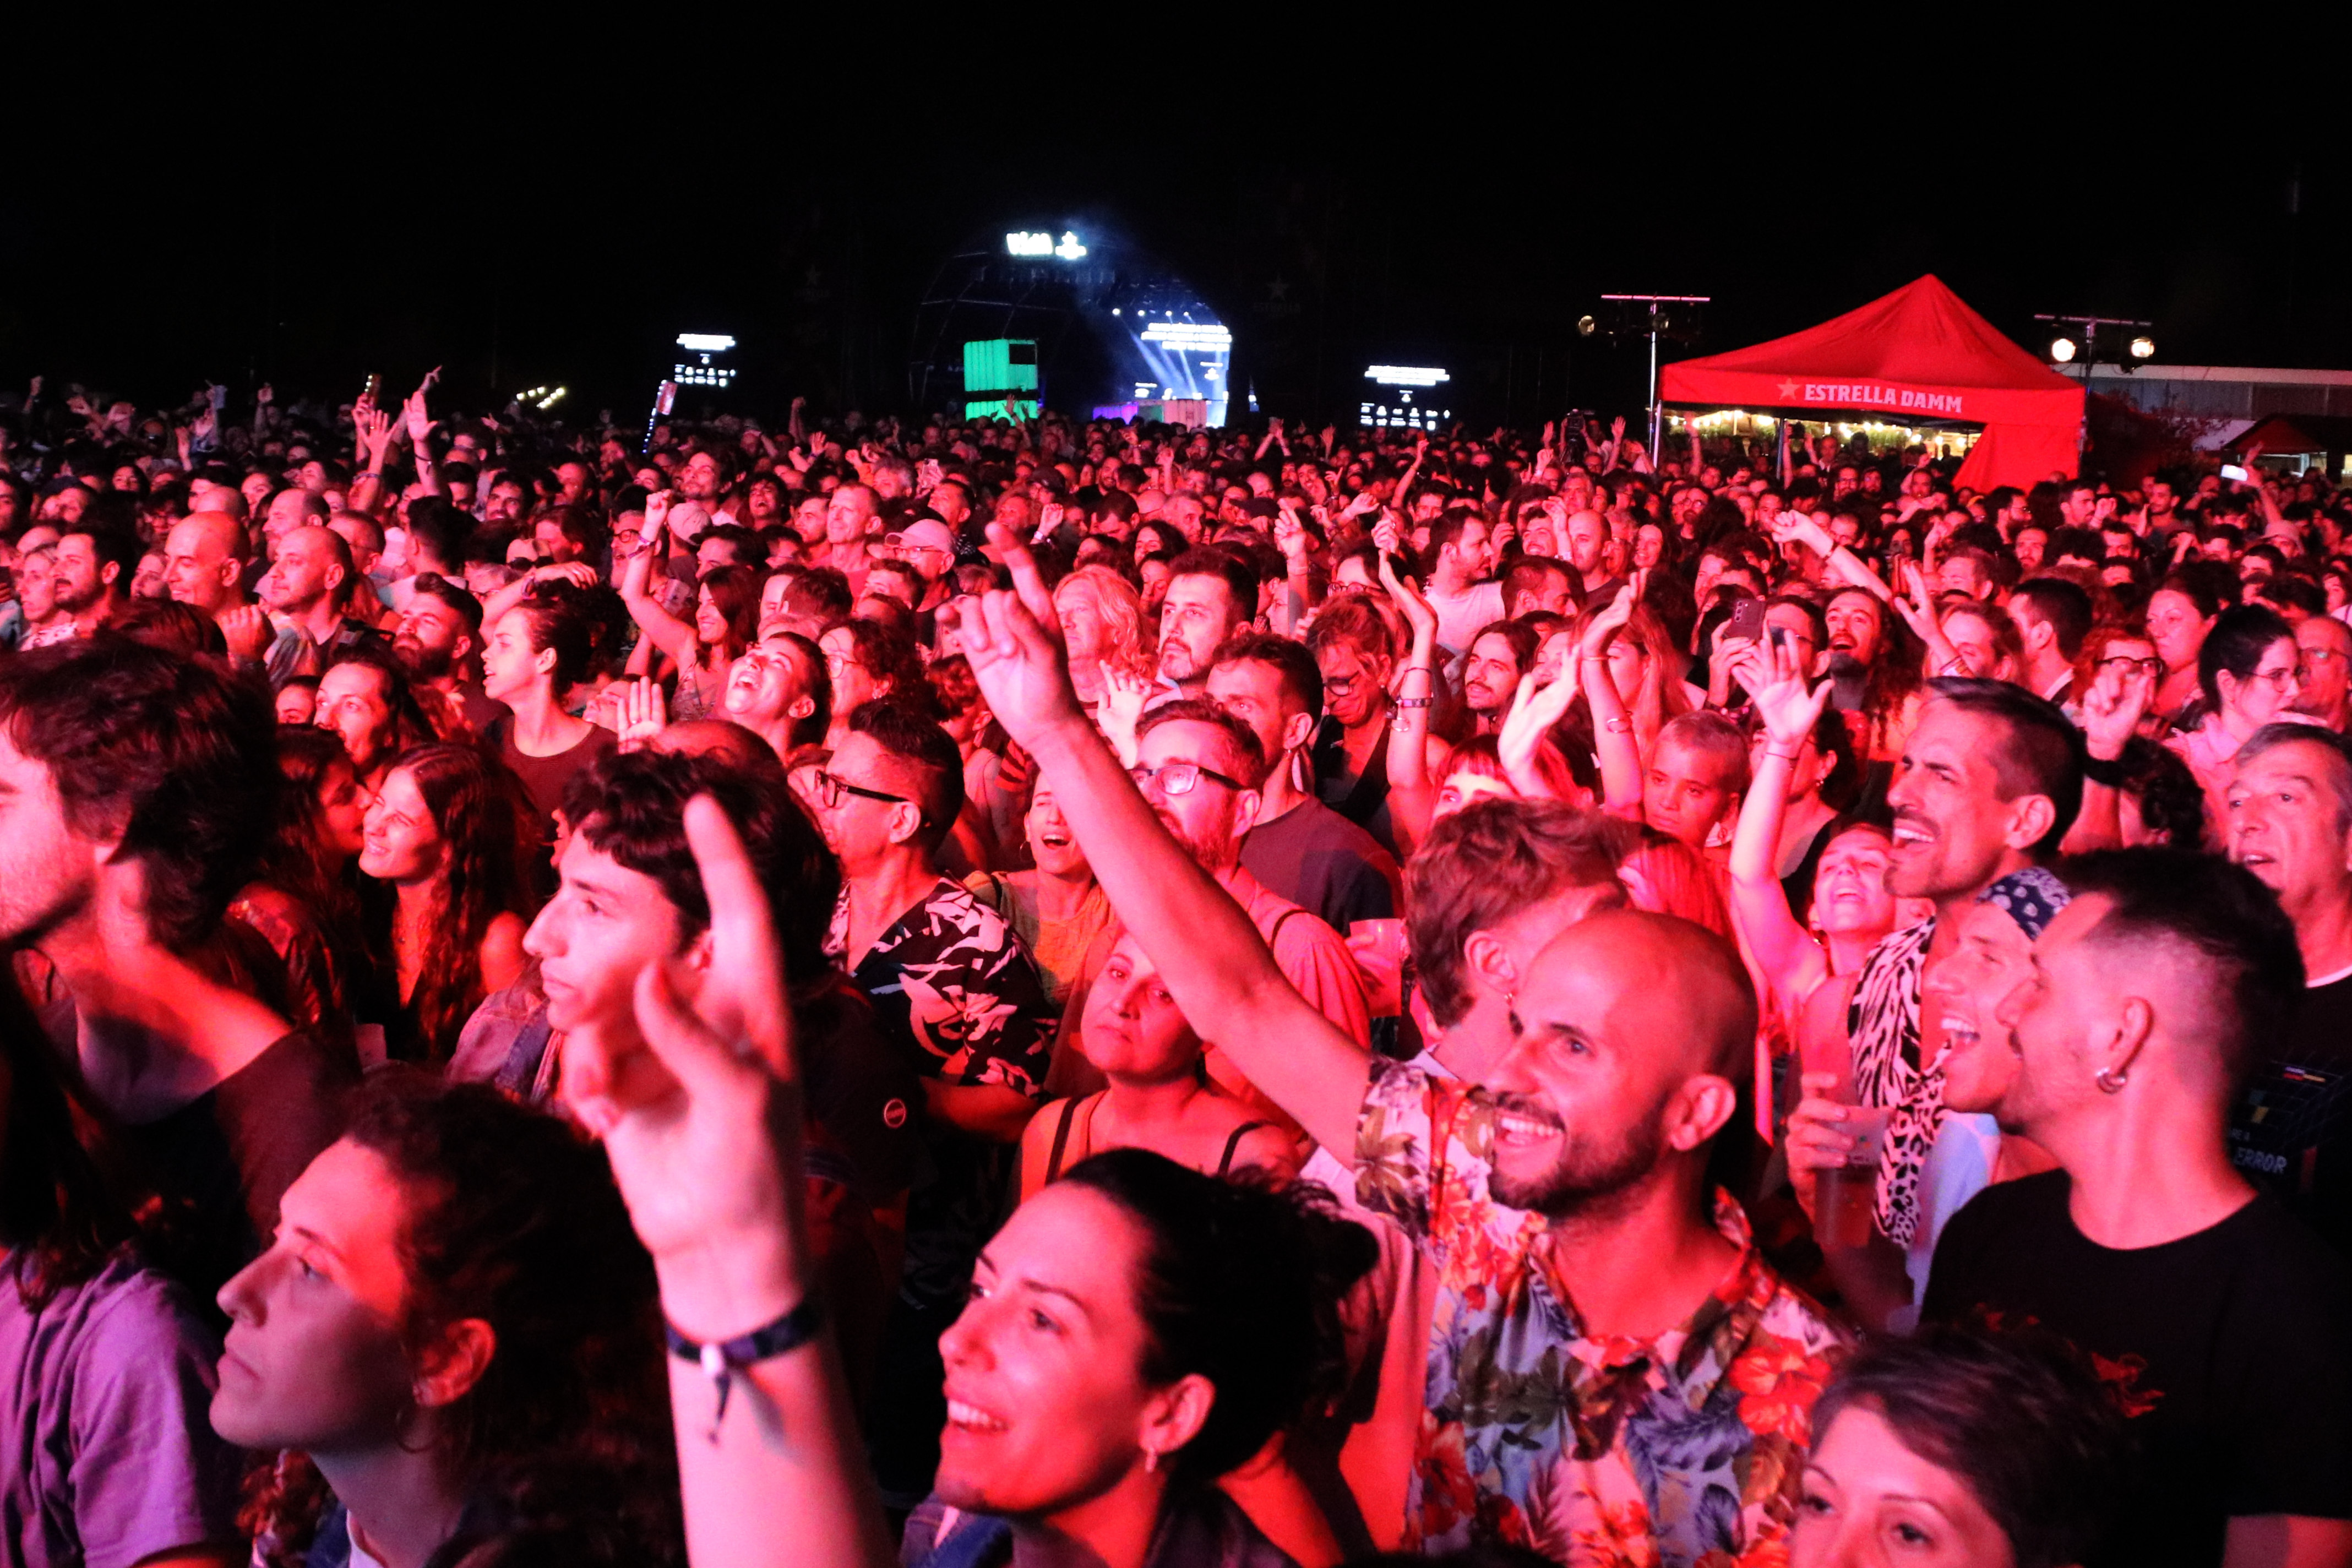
(956,997)
(1883,1021)
(1597,1452)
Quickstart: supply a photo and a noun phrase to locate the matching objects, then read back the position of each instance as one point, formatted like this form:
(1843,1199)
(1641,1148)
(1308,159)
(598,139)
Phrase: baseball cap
(923,533)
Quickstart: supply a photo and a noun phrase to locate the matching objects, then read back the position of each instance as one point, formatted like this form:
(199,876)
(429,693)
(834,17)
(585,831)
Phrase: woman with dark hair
(2247,669)
(456,1333)
(866,660)
(533,655)
(725,622)
(445,832)
(1137,1330)
(2180,616)
(305,901)
(108,1362)
(1158,1096)
(1960,1451)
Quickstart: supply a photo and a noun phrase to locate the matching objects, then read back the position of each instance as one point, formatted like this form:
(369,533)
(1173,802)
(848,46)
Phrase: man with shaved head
(1598,1299)
(203,563)
(309,585)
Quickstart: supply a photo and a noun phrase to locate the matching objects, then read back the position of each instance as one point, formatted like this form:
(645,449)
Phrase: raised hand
(1612,616)
(1534,710)
(248,631)
(2113,707)
(645,714)
(703,1125)
(1419,614)
(657,507)
(1014,642)
(1776,686)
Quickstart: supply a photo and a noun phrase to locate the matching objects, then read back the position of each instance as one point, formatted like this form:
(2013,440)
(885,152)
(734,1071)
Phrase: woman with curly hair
(452,1347)
(445,832)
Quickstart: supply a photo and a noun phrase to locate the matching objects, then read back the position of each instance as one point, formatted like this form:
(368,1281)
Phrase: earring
(2112,1082)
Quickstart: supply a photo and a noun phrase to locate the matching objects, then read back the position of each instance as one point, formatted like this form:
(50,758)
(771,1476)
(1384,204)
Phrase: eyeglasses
(831,786)
(2276,679)
(2131,666)
(1180,778)
(2312,656)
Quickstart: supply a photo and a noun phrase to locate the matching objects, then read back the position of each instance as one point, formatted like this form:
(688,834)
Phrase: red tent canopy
(1918,353)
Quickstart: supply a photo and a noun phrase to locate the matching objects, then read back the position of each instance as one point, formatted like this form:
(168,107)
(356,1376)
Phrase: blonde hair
(1119,608)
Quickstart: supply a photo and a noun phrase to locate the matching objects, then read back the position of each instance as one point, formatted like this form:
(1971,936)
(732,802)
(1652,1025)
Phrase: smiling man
(1587,1263)
(1988,782)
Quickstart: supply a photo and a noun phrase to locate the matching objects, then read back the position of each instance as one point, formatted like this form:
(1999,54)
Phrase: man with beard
(436,642)
(93,574)
(1211,596)
(1987,783)
(1609,1352)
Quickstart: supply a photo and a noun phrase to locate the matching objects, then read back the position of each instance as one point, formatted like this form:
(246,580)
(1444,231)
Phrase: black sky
(555,205)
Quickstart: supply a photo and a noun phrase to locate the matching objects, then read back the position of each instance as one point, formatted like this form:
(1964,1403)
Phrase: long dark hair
(1241,1283)
(296,860)
(563,1447)
(479,809)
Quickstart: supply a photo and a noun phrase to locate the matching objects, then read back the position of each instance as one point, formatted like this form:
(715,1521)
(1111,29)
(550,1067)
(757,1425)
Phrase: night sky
(548,209)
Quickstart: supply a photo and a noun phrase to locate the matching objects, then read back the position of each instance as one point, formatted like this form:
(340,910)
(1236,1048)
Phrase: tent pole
(1657,420)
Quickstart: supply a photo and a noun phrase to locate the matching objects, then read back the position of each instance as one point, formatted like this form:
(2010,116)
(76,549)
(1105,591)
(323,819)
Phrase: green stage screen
(995,369)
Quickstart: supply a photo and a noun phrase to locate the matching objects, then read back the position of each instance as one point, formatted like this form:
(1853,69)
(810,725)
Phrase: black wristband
(2109,771)
(719,1360)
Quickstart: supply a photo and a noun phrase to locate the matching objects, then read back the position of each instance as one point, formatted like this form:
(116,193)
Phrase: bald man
(306,589)
(203,565)
(1585,1262)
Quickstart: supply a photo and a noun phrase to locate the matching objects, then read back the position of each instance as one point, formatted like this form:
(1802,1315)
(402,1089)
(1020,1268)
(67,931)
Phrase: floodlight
(2143,348)
(2061,350)
(1586,326)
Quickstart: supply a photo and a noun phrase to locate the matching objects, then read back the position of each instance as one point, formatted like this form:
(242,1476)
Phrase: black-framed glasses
(2131,666)
(831,786)
(1180,778)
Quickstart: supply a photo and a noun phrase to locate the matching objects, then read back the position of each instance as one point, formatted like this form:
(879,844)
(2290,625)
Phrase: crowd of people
(1076,993)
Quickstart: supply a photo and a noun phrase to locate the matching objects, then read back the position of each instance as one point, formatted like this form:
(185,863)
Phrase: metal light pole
(1658,324)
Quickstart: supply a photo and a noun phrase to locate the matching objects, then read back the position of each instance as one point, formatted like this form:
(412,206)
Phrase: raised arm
(704,1133)
(2112,707)
(1760,905)
(1412,793)
(1612,727)
(663,630)
(1210,954)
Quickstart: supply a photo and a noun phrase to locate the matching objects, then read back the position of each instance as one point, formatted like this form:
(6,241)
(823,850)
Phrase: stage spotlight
(2061,350)
(2143,348)
(1586,325)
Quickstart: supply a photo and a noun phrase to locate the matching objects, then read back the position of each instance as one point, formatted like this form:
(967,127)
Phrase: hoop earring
(2111,1081)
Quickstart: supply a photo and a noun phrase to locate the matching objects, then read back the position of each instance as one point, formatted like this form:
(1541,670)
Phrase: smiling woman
(1136,1331)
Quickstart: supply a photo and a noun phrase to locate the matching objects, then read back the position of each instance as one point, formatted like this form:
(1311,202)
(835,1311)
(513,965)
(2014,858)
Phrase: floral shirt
(1597,1452)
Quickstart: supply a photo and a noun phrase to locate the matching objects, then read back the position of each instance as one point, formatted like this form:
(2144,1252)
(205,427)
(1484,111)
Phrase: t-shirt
(107,1449)
(2231,1350)
(2291,1131)
(1461,616)
(956,998)
(233,1150)
(1323,863)
(544,778)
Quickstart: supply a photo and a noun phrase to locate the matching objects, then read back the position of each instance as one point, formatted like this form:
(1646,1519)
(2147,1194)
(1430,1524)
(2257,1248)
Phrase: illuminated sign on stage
(1389,401)
(703,371)
(1026,243)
